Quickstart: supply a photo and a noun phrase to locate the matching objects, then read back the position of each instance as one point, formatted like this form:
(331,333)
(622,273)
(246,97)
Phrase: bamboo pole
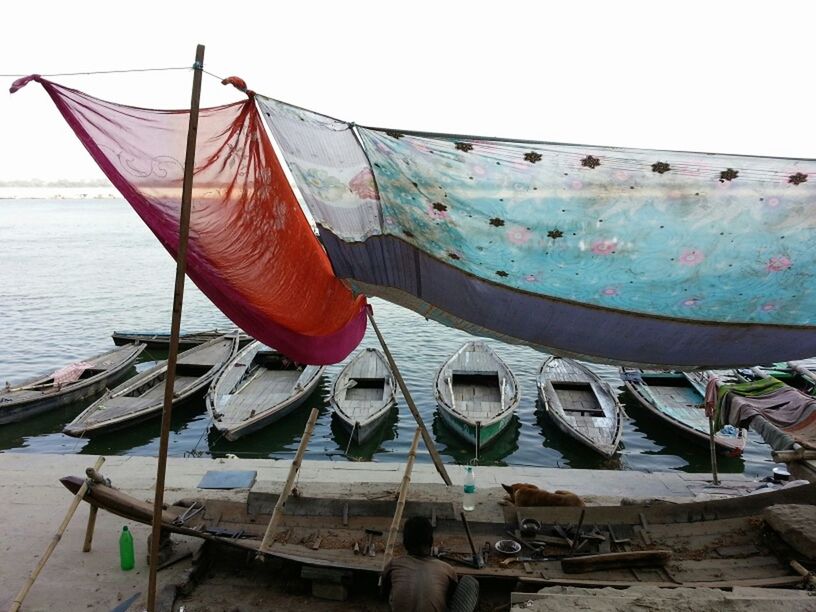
(280,506)
(713,450)
(810,579)
(403,493)
(788,456)
(18,600)
(178,298)
(89,530)
(426,437)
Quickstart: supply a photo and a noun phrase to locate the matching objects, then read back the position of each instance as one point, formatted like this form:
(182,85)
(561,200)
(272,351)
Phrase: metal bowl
(508,547)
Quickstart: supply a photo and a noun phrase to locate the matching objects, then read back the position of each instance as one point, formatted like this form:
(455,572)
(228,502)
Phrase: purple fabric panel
(562,327)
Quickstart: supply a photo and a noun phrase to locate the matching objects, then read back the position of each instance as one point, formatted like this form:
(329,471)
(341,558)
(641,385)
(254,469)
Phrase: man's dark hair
(417,536)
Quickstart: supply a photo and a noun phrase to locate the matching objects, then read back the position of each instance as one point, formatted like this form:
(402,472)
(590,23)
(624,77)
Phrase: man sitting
(421,583)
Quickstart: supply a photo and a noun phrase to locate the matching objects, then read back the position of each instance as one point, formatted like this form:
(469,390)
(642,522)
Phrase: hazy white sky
(726,76)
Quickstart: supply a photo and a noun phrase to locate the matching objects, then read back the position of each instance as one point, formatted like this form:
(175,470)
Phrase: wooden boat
(676,398)
(256,388)
(161,340)
(722,543)
(580,404)
(42,393)
(798,374)
(363,394)
(477,393)
(142,396)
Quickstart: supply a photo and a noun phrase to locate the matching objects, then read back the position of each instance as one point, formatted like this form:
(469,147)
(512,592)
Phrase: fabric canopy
(251,249)
(640,257)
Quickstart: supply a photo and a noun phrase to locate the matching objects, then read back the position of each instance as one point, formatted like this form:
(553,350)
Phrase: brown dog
(525,494)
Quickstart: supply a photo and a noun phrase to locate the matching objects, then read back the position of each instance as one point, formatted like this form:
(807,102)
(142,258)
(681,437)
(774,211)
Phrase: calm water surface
(73,271)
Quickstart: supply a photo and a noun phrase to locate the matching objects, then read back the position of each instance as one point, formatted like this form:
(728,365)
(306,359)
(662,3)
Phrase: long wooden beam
(403,495)
(426,437)
(178,298)
(280,506)
(18,601)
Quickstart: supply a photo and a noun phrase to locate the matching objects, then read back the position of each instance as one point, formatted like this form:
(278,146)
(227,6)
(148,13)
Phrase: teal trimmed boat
(477,394)
(677,399)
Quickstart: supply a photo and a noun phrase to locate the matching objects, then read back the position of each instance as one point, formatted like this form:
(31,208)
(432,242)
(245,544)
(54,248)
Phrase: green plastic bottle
(127,557)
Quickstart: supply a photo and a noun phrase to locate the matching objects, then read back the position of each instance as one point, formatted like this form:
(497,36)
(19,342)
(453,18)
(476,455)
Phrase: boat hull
(724,447)
(282,411)
(361,434)
(467,431)
(28,409)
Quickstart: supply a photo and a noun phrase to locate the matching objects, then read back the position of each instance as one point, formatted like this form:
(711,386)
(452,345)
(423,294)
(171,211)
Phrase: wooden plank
(280,506)
(403,492)
(590,563)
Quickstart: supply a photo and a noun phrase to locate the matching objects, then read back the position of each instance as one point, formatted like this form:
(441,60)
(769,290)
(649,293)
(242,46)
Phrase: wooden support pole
(810,579)
(178,298)
(799,454)
(280,506)
(18,601)
(426,437)
(89,530)
(403,493)
(713,450)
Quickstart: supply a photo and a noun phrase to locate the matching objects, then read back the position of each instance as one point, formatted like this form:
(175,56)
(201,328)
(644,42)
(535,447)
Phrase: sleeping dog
(525,494)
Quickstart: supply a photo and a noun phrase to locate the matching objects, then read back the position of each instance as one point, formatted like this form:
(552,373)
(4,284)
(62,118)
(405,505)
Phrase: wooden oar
(18,601)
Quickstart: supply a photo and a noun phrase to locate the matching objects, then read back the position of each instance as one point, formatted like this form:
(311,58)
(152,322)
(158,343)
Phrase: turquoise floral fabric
(681,235)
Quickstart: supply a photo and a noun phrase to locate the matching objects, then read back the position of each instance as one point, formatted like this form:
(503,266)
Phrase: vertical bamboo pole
(89,530)
(280,506)
(18,601)
(403,493)
(426,437)
(713,450)
(178,297)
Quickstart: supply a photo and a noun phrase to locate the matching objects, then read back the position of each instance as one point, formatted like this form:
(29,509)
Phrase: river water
(75,270)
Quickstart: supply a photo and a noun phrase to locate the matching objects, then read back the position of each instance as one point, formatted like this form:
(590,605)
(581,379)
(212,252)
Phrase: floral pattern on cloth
(653,232)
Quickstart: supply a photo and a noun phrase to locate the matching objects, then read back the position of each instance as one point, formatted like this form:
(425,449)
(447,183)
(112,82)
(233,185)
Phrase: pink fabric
(69,373)
(251,249)
(711,396)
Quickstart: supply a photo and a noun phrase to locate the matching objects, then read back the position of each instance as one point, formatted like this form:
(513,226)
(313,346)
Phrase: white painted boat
(142,397)
(363,394)
(477,393)
(580,404)
(256,388)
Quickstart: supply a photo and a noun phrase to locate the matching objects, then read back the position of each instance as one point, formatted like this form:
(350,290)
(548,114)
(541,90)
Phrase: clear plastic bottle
(469,497)
(127,558)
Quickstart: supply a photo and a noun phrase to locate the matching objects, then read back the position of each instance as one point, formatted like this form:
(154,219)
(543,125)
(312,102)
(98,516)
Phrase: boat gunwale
(134,382)
(463,417)
(563,425)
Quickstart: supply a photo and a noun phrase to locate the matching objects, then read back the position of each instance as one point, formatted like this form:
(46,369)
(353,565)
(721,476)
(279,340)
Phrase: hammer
(369,547)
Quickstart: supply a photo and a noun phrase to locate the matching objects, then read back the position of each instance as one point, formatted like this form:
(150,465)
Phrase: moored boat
(580,404)
(477,394)
(677,399)
(75,382)
(363,394)
(161,340)
(142,397)
(256,388)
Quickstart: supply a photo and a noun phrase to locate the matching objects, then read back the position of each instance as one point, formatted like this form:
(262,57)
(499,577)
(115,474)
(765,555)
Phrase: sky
(725,76)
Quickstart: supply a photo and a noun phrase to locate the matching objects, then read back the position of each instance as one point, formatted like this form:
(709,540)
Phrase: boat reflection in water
(451,445)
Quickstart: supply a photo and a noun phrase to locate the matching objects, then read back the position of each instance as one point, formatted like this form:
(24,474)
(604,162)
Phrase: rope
(92,72)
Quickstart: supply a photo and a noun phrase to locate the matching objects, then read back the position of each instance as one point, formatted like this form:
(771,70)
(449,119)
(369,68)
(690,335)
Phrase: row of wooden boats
(248,387)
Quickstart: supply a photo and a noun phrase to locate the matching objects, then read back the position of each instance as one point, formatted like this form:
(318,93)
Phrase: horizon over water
(76,269)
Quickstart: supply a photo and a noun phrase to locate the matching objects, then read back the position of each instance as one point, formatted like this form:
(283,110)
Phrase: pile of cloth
(781,414)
